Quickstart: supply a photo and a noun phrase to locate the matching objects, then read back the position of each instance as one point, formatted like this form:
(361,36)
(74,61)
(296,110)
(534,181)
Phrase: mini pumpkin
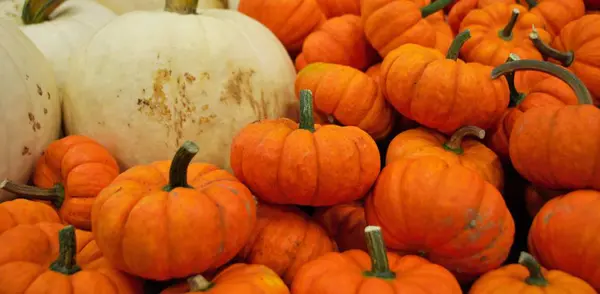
(21,211)
(459,10)
(374,272)
(147,221)
(303,163)
(374,72)
(334,8)
(345,223)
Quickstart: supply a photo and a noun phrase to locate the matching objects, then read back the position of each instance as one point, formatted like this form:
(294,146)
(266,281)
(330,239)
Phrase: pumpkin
(50,258)
(459,10)
(146,222)
(339,40)
(30,114)
(284,239)
(446,213)
(498,30)
(334,8)
(374,71)
(536,197)
(576,47)
(471,154)
(348,95)
(563,235)
(290,21)
(21,211)
(207,82)
(377,271)
(345,223)
(122,7)
(529,277)
(236,278)
(71,172)
(303,163)
(443,32)
(300,62)
(555,147)
(442,93)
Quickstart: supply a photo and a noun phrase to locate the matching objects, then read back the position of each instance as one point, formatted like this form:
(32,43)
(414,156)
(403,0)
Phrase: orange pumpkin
(345,223)
(374,72)
(50,258)
(300,62)
(21,211)
(446,213)
(498,30)
(355,271)
(333,8)
(147,221)
(471,154)
(459,10)
(284,162)
(528,277)
(442,93)
(284,239)
(536,197)
(564,236)
(236,278)
(443,32)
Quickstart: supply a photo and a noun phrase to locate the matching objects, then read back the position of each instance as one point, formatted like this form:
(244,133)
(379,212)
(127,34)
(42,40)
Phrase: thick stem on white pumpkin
(380,267)
(67,249)
(565,58)
(181,6)
(37,11)
(536,278)
(506,32)
(583,95)
(56,194)
(179,166)
(307,119)
(434,7)
(455,142)
(457,44)
(516,97)
(198,283)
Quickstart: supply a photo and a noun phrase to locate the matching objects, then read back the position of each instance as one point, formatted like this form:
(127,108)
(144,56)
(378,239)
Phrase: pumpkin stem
(536,278)
(181,6)
(506,32)
(565,58)
(434,7)
(380,267)
(56,194)
(179,166)
(455,142)
(568,77)
(516,97)
(531,3)
(198,283)
(67,247)
(37,11)
(307,120)
(457,43)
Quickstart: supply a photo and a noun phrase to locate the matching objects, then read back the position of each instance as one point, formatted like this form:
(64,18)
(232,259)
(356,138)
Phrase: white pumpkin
(150,80)
(124,6)
(29,105)
(68,27)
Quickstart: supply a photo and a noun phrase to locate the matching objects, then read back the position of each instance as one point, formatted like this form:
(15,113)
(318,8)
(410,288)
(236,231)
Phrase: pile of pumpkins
(301,146)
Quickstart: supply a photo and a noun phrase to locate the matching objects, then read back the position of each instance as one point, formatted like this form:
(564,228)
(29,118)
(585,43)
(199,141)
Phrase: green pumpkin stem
(183,7)
(179,166)
(37,11)
(434,7)
(55,195)
(516,97)
(66,262)
(565,58)
(198,283)
(380,267)
(455,142)
(506,32)
(457,43)
(536,278)
(307,119)
(531,3)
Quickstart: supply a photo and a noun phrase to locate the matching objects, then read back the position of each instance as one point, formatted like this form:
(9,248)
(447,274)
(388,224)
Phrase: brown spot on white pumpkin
(189,77)
(39,90)
(204,107)
(25,151)
(45,111)
(48,95)
(27,77)
(35,125)
(238,88)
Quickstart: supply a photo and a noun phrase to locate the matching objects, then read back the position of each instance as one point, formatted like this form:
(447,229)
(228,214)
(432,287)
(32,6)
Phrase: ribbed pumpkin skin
(345,223)
(333,8)
(558,13)
(20,211)
(462,7)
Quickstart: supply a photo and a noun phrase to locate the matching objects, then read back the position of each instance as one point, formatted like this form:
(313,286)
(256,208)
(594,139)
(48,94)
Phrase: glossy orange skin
(21,211)
(290,21)
(440,93)
(459,10)
(333,8)
(284,239)
(160,235)
(342,273)
(563,235)
(349,95)
(345,223)
(83,167)
(447,213)
(421,142)
(282,164)
(28,250)
(540,89)
(558,13)
(340,40)
(240,278)
(556,147)
(585,43)
(486,47)
(443,32)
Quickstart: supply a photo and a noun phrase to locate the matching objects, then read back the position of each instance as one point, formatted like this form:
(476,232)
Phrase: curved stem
(56,194)
(568,77)
(457,43)
(455,142)
(506,32)
(380,267)
(434,7)
(515,96)
(37,11)
(181,6)
(66,262)
(179,166)
(307,120)
(531,3)
(565,58)
(536,278)
(198,283)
